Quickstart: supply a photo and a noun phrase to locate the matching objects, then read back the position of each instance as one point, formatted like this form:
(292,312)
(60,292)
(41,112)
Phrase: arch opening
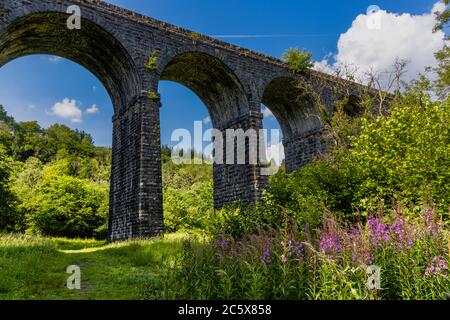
(91,46)
(187,186)
(103,55)
(299,119)
(223,95)
(80,101)
(352,106)
(212,81)
(273,138)
(294,110)
(57,126)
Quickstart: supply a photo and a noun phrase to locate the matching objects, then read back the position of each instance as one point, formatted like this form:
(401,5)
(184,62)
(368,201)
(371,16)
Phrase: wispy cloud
(207,120)
(55,59)
(250,36)
(93,109)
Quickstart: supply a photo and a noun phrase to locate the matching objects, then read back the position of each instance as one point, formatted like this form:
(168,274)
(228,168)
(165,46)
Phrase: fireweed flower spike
(266,257)
(330,244)
(437,267)
(378,232)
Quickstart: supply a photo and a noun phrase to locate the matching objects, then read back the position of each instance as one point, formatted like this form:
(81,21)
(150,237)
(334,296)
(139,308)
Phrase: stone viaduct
(115,44)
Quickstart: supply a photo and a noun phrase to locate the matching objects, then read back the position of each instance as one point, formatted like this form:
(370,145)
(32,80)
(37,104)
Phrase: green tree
(9,215)
(7,129)
(62,141)
(30,141)
(442,83)
(405,157)
(188,208)
(443,17)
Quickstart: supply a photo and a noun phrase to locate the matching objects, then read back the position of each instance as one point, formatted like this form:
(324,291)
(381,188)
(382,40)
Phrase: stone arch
(223,94)
(292,108)
(92,47)
(102,54)
(352,106)
(299,119)
(212,81)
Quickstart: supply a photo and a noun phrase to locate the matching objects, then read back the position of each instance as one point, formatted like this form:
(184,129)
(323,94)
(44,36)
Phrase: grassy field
(35,268)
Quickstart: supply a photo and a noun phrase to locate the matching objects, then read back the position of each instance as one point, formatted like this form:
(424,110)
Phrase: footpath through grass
(35,268)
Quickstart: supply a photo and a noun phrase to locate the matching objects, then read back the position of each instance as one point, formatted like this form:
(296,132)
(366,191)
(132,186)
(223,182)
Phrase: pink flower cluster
(437,267)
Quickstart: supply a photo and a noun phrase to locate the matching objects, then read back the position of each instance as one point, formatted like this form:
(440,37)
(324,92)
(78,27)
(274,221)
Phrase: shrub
(152,63)
(405,157)
(401,158)
(63,206)
(318,187)
(299,60)
(189,208)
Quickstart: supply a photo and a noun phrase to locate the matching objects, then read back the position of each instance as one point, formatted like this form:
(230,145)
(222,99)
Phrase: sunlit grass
(34,267)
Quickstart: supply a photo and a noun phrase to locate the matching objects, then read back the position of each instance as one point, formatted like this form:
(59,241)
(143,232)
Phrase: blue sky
(31,86)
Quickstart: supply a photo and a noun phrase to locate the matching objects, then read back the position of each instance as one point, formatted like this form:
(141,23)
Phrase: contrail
(248,36)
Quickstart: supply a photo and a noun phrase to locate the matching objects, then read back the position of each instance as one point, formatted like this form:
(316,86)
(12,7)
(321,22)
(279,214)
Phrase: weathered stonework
(115,44)
(302,149)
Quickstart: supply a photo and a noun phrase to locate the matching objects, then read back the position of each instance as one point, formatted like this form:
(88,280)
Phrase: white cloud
(32,106)
(266,112)
(93,109)
(438,7)
(376,45)
(68,109)
(207,120)
(55,59)
(275,152)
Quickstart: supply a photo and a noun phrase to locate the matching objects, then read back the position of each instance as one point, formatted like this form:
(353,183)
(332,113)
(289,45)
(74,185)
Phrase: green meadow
(34,268)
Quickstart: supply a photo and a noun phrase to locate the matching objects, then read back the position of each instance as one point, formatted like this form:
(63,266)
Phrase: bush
(239,219)
(402,158)
(318,187)
(405,157)
(63,206)
(189,208)
(299,61)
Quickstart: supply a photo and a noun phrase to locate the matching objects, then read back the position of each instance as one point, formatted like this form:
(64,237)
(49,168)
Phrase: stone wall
(239,182)
(300,150)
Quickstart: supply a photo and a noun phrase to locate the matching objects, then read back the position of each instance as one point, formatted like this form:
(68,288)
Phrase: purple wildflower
(266,256)
(431,227)
(365,257)
(405,234)
(437,267)
(221,243)
(297,249)
(378,232)
(330,244)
